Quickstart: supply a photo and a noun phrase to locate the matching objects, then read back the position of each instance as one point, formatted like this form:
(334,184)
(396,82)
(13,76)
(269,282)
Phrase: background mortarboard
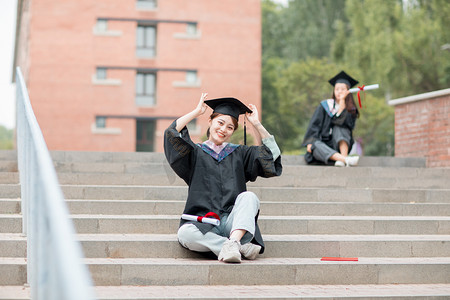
(343,77)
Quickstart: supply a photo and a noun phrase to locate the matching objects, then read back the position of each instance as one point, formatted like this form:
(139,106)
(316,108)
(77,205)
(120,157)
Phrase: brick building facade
(422,127)
(111,75)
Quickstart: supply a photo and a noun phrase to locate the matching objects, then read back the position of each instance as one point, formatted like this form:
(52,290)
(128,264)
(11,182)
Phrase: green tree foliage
(274,34)
(425,66)
(6,138)
(271,101)
(310,27)
(367,40)
(399,44)
(375,126)
(302,85)
(238,136)
(303,30)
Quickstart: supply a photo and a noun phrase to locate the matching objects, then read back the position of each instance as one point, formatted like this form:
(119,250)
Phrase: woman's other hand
(201,106)
(308,148)
(253,116)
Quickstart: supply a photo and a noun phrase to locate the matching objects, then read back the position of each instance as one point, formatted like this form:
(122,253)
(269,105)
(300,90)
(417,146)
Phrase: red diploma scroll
(205,219)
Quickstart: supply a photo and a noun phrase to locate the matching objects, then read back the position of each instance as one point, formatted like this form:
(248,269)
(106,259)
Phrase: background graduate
(216,172)
(329,135)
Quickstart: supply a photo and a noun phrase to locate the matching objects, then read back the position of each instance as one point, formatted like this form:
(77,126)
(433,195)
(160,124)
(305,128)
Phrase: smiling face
(340,88)
(221,128)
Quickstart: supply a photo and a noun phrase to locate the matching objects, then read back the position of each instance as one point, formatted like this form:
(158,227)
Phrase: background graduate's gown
(321,127)
(215,180)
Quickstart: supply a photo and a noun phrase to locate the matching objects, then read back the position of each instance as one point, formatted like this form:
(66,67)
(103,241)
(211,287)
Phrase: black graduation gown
(214,185)
(321,124)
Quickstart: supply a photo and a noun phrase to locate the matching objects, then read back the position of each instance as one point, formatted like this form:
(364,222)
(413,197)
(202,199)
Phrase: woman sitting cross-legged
(329,134)
(216,172)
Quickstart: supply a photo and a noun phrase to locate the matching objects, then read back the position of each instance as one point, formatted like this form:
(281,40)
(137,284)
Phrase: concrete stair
(392,214)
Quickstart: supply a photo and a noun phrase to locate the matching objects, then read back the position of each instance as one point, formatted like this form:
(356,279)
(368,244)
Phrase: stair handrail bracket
(55,261)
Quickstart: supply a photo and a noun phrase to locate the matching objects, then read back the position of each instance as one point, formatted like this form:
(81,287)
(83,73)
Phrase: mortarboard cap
(343,77)
(228,106)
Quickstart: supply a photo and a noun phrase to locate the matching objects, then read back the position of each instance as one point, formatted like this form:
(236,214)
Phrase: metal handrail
(55,268)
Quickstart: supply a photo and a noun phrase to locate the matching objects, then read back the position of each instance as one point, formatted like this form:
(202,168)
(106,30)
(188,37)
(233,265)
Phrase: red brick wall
(61,54)
(422,129)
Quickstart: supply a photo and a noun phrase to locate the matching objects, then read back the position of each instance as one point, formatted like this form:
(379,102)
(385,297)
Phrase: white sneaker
(230,252)
(250,251)
(351,160)
(339,163)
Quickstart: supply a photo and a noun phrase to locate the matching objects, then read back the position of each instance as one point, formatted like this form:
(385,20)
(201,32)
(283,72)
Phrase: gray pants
(241,217)
(323,152)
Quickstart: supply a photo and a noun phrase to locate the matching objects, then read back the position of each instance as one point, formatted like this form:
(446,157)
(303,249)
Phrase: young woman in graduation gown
(216,172)
(329,135)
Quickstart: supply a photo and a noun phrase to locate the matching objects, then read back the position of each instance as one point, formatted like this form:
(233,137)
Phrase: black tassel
(245,132)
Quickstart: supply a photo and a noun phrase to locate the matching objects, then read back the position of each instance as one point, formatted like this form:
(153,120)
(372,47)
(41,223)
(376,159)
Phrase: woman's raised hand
(199,110)
(201,106)
(253,116)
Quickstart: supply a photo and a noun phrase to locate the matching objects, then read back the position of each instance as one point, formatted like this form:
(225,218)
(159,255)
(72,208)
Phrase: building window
(146,4)
(191,32)
(101,28)
(193,127)
(99,127)
(102,25)
(146,41)
(101,73)
(100,122)
(191,81)
(145,89)
(191,29)
(145,136)
(101,77)
(191,77)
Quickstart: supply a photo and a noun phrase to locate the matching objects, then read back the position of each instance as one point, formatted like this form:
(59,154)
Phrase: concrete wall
(422,127)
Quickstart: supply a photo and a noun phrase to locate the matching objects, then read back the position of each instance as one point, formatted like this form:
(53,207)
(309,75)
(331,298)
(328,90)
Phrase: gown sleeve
(179,150)
(345,119)
(313,132)
(258,161)
(272,145)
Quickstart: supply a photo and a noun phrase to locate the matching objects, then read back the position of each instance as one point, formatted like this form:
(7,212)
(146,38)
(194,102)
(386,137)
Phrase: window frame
(146,39)
(140,98)
(146,4)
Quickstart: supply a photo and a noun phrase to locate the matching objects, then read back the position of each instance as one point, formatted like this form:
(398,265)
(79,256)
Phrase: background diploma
(366,88)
